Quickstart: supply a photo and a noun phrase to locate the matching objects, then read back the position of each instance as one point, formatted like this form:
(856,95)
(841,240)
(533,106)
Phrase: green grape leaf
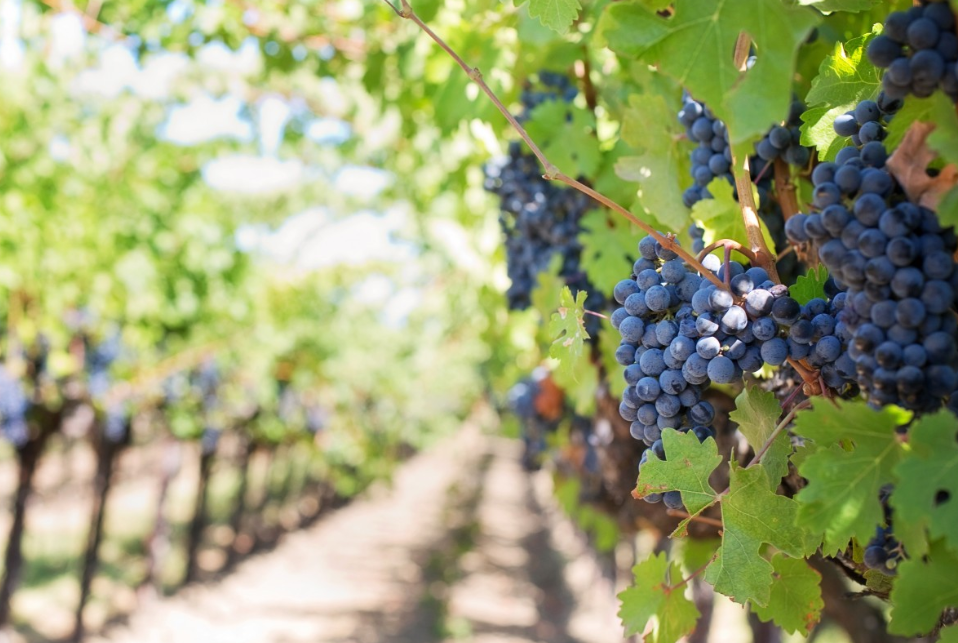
(752,515)
(937,109)
(609,183)
(844,78)
(660,155)
(944,138)
(687,468)
(653,597)
(841,499)
(795,603)
(949,635)
(817,130)
(927,473)
(914,109)
(721,217)
(878,582)
(655,5)
(923,589)
(568,327)
(608,244)
(547,294)
(557,15)
(697,50)
(948,208)
(629,29)
(696,552)
(570,143)
(828,6)
(756,413)
(575,372)
(809,286)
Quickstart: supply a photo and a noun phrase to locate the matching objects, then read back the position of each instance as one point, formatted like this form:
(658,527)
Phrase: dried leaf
(908,165)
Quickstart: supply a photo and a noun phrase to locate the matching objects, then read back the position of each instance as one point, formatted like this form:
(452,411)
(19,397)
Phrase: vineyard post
(247,448)
(106,451)
(198,522)
(158,543)
(28,457)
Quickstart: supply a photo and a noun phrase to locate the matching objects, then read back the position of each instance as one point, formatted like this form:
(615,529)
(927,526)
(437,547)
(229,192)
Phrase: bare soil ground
(463,545)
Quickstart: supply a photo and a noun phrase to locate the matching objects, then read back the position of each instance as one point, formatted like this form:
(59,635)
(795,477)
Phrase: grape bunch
(883,551)
(116,424)
(540,219)
(533,424)
(784,141)
(867,122)
(712,159)
(205,381)
(553,86)
(14,406)
(918,49)
(680,332)
(896,264)
(209,439)
(99,358)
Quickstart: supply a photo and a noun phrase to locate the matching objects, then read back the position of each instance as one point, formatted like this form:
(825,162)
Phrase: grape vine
(832,374)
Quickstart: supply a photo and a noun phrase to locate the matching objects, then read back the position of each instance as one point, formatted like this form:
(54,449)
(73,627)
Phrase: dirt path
(464,546)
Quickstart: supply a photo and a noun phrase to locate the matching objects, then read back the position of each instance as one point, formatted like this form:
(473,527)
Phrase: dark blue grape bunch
(116,423)
(317,418)
(784,141)
(712,157)
(883,552)
(532,425)
(539,218)
(680,333)
(99,358)
(14,406)
(867,122)
(206,382)
(896,265)
(918,50)
(209,439)
(697,235)
(552,86)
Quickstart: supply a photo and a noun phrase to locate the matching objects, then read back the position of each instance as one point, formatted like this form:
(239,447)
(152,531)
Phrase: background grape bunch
(539,218)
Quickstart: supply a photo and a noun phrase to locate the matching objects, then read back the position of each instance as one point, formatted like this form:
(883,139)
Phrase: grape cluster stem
(743,184)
